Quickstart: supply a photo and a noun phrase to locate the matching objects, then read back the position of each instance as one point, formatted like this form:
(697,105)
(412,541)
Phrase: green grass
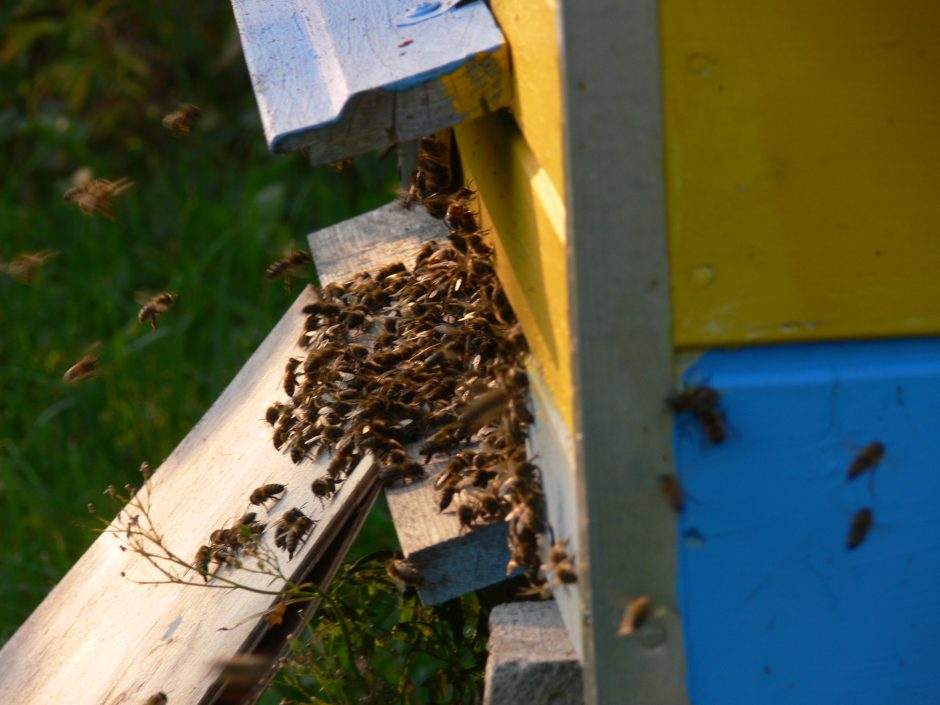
(198,223)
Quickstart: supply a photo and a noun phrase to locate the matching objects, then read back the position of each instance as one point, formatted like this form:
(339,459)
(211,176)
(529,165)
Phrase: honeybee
(291,530)
(274,412)
(25,266)
(634,616)
(406,472)
(702,402)
(159,304)
(323,487)
(290,376)
(157,699)
(244,669)
(96,196)
(403,573)
(561,563)
(672,491)
(287,267)
(201,564)
(867,459)
(861,524)
(183,118)
(83,369)
(265,492)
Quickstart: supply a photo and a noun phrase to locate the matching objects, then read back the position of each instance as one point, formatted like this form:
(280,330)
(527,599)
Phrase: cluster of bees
(703,404)
(417,366)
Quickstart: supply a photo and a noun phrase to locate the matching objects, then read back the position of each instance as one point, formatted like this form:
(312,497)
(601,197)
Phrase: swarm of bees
(183,118)
(159,304)
(425,362)
(96,196)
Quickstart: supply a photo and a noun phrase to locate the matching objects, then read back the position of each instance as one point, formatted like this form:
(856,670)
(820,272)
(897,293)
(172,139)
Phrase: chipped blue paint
(775,608)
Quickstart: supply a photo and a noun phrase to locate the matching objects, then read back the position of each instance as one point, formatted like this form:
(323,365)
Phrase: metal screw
(424,8)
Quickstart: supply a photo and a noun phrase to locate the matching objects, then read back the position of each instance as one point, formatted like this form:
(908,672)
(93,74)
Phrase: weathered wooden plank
(452,562)
(622,355)
(101,639)
(342,77)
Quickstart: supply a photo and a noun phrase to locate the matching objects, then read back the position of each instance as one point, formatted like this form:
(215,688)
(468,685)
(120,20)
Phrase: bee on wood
(323,487)
(157,699)
(561,563)
(290,376)
(390,269)
(703,403)
(861,524)
(866,460)
(25,266)
(406,472)
(275,411)
(183,118)
(201,564)
(265,492)
(83,369)
(634,616)
(287,267)
(403,573)
(291,530)
(459,217)
(96,196)
(671,490)
(159,304)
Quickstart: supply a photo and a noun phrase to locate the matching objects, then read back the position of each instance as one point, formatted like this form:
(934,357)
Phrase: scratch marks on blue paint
(775,608)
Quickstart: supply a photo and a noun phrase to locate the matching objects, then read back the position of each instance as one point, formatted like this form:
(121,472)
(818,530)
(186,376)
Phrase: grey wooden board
(334,77)
(103,640)
(620,315)
(452,562)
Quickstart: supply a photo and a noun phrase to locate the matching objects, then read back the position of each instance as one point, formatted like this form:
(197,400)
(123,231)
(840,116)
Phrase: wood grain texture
(452,562)
(340,78)
(618,274)
(526,214)
(100,639)
(802,146)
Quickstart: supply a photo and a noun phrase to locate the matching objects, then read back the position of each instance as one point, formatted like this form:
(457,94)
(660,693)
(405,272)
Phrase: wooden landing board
(775,607)
(342,77)
(100,639)
(452,562)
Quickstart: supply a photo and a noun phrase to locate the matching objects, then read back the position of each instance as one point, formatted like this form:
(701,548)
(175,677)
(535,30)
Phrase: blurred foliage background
(85,84)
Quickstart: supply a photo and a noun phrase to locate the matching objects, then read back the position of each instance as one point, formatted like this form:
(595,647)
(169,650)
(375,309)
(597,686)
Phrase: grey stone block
(531,659)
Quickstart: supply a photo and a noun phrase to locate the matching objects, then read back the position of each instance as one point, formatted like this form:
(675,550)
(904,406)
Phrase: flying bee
(157,699)
(244,670)
(403,573)
(183,118)
(83,369)
(634,616)
(867,459)
(287,267)
(671,490)
(25,266)
(201,564)
(265,492)
(159,304)
(95,197)
(561,563)
(861,524)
